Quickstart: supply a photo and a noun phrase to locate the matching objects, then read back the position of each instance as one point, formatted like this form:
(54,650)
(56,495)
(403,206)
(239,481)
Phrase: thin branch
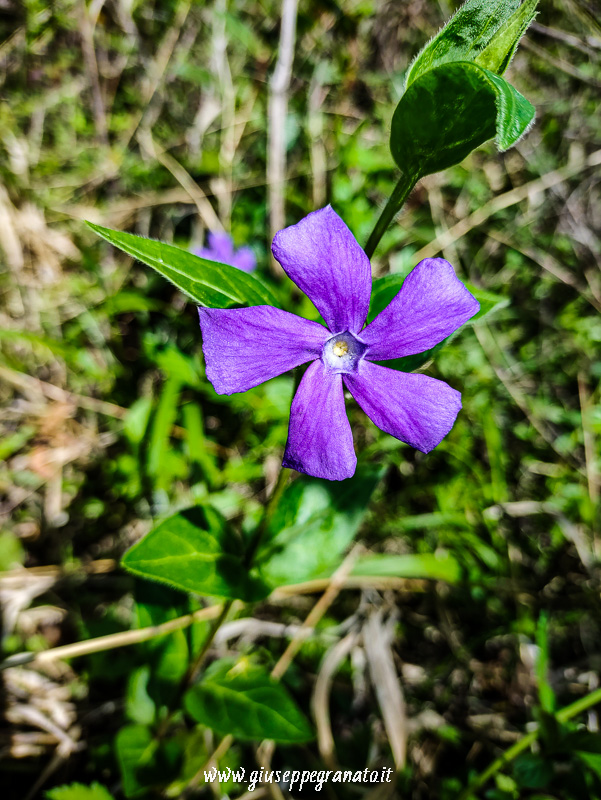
(111,641)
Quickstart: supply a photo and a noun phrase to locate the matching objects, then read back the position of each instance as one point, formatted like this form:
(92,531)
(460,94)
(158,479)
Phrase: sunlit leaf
(206,282)
(243,700)
(314,523)
(195,551)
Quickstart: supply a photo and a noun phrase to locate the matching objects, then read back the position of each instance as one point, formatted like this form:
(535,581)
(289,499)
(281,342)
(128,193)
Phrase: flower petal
(320,441)
(245,346)
(323,258)
(431,304)
(244,259)
(414,408)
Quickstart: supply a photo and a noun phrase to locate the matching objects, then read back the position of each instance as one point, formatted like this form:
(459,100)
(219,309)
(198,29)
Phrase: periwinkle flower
(221,248)
(244,347)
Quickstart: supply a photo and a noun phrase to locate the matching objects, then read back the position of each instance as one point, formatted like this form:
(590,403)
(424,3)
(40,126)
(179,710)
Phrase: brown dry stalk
(276,110)
(478,217)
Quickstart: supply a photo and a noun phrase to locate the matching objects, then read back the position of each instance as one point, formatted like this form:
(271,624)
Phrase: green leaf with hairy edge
(428,566)
(242,699)
(79,791)
(314,523)
(498,53)
(449,111)
(206,282)
(195,551)
(386,288)
(465,35)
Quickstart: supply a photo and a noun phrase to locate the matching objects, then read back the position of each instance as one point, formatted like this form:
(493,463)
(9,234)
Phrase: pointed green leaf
(498,53)
(195,551)
(314,523)
(206,282)
(464,36)
(449,111)
(243,700)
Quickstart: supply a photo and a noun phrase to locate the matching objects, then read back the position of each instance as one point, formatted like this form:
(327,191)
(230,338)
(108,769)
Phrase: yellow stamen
(340,348)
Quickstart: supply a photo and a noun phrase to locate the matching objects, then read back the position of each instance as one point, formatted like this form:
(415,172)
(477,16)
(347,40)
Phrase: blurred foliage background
(151,117)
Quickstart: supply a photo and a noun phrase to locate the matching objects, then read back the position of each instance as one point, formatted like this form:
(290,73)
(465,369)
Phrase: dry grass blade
(320,701)
(506,200)
(277,110)
(377,638)
(336,584)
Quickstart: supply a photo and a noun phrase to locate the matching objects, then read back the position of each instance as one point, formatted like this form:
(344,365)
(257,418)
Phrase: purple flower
(221,248)
(245,346)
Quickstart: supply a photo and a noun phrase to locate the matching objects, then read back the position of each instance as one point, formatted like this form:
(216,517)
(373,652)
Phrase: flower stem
(522,744)
(395,202)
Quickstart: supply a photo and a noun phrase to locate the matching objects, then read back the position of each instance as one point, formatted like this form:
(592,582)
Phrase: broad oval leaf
(314,523)
(206,282)
(449,111)
(195,551)
(242,699)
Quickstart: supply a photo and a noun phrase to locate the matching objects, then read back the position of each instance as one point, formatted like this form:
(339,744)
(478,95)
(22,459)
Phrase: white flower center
(343,352)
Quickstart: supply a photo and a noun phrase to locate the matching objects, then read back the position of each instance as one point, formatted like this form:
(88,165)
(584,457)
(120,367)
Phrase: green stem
(395,202)
(271,506)
(522,744)
(194,668)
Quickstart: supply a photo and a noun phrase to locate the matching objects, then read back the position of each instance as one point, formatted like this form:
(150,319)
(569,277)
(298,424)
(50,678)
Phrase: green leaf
(139,706)
(195,551)
(489,302)
(78,791)
(313,525)
(243,700)
(167,656)
(136,420)
(206,282)
(532,771)
(592,761)
(430,566)
(546,694)
(467,34)
(449,111)
(135,749)
(160,432)
(498,53)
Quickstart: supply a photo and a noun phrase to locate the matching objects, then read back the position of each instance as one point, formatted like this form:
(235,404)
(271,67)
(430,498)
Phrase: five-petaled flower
(244,347)
(221,248)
